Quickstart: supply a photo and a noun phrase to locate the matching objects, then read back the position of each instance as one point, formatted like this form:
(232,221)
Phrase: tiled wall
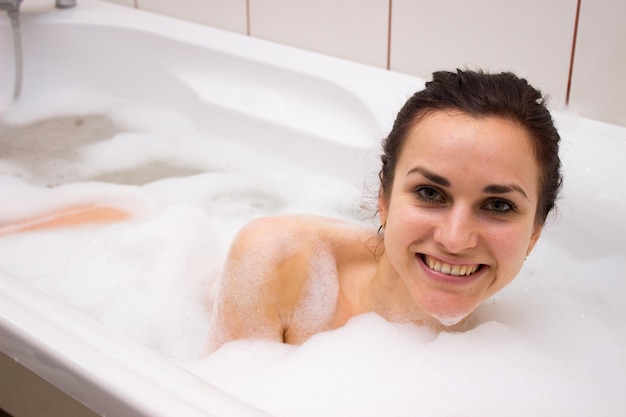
(533,38)
(599,77)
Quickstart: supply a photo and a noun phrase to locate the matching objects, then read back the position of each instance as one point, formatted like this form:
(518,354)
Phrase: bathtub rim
(383,98)
(21,322)
(92,364)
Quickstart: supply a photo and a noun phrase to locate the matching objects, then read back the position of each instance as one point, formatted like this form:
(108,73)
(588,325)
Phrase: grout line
(248,17)
(571,62)
(389,37)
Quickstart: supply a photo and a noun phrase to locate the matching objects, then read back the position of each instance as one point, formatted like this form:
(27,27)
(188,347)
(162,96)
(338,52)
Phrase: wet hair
(481,94)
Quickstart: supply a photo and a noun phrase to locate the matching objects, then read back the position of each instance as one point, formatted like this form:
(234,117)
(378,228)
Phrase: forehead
(456,144)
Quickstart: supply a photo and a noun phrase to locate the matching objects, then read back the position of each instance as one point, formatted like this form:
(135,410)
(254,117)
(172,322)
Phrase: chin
(451,320)
(450,315)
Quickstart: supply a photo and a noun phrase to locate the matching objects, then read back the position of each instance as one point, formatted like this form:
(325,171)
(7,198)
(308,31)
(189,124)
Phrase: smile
(449,269)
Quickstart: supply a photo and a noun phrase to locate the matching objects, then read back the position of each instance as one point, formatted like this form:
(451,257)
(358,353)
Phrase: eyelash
(512,208)
(440,198)
(419,193)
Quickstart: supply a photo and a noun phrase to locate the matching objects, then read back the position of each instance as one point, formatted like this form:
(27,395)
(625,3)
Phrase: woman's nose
(457,230)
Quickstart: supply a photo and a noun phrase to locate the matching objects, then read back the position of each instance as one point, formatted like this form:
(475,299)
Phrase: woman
(469,174)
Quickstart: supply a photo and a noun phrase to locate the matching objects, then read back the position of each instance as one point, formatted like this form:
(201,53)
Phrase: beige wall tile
(223,14)
(532,38)
(599,76)
(350,29)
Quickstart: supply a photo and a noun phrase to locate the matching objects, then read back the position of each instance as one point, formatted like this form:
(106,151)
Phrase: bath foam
(449,320)
(529,353)
(546,345)
(41,152)
(54,102)
(147,278)
(549,344)
(319,297)
(21,200)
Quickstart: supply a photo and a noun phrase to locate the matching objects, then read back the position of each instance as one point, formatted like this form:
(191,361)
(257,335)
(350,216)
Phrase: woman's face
(460,217)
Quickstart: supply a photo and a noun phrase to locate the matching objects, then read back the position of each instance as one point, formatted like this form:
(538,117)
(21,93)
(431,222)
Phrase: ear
(383,207)
(534,238)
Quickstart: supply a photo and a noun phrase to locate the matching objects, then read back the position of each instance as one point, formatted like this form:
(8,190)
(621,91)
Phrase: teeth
(455,270)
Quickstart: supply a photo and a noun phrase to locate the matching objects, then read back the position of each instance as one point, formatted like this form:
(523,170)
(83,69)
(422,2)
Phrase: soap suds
(550,344)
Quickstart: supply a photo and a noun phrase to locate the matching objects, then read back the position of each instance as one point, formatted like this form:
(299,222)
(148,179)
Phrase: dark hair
(481,94)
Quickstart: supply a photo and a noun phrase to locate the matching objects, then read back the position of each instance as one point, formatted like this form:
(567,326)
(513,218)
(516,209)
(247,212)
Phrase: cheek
(405,223)
(509,248)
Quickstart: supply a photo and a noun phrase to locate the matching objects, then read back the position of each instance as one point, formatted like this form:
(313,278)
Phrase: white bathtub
(323,113)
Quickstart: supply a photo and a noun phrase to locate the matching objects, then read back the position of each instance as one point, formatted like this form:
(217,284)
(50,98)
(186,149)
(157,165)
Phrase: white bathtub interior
(195,131)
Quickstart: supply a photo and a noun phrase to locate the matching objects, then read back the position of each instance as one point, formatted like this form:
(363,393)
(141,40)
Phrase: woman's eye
(429,195)
(500,206)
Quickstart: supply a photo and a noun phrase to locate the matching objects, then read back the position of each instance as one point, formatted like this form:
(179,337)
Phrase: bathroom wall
(533,38)
(599,77)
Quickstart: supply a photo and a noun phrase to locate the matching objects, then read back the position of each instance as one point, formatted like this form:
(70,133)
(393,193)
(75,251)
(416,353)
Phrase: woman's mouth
(456,270)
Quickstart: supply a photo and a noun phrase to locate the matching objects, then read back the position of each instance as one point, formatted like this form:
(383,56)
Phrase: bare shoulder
(269,232)
(286,234)
(272,264)
(278,247)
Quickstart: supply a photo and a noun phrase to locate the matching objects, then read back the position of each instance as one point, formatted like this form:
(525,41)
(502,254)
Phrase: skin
(67,217)
(464,196)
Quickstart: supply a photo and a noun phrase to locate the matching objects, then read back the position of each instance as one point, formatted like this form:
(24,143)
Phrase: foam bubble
(320,293)
(451,320)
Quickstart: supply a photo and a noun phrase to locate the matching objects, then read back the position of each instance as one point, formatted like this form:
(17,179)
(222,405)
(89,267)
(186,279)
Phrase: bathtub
(318,111)
(322,113)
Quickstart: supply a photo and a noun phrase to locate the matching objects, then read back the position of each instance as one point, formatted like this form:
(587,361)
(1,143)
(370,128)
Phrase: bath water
(553,343)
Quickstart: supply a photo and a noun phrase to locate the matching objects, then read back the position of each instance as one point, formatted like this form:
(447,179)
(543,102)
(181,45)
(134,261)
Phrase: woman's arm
(248,302)
(68,217)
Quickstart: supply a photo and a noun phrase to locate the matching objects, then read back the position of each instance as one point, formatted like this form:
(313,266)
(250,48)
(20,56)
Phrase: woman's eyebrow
(503,189)
(490,189)
(436,178)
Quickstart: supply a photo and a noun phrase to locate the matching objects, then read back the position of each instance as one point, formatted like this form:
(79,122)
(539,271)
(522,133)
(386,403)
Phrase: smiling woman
(464,200)
(469,174)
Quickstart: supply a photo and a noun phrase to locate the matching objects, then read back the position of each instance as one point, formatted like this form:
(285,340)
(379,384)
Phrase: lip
(446,279)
